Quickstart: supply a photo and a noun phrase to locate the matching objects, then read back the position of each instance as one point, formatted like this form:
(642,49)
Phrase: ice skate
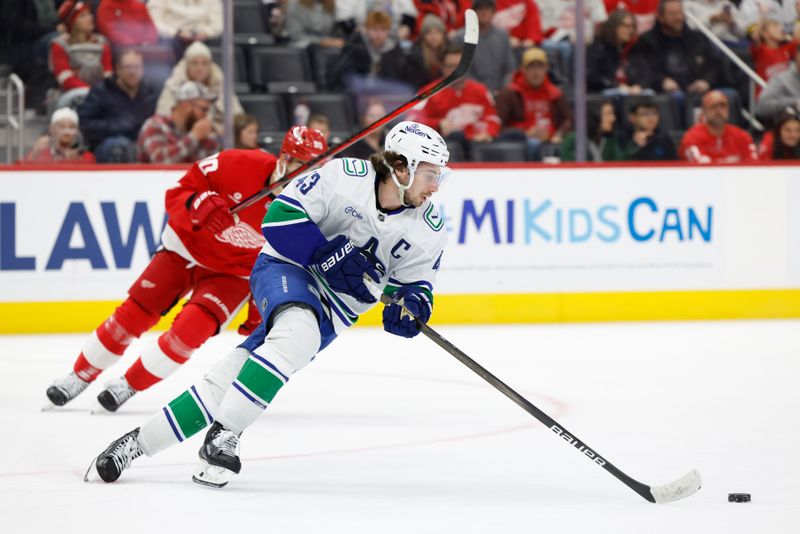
(117,457)
(67,389)
(116,394)
(219,457)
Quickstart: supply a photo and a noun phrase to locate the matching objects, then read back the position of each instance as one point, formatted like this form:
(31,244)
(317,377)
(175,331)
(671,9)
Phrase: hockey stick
(676,490)
(470,44)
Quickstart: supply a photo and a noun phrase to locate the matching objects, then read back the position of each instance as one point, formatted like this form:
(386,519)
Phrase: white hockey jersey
(339,199)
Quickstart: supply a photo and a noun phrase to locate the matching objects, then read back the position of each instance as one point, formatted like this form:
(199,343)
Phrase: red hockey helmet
(303,143)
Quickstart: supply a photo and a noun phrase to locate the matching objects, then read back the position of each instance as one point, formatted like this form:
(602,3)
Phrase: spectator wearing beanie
(197,65)
(714,140)
(494,61)
(424,62)
(520,19)
(126,23)
(116,108)
(80,57)
(532,104)
(63,144)
(186,134)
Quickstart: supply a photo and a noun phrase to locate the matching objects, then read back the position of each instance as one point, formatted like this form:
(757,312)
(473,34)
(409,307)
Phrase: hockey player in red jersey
(206,250)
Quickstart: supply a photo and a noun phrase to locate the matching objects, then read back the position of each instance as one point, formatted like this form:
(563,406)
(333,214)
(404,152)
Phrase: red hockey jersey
(699,146)
(235,175)
(470,109)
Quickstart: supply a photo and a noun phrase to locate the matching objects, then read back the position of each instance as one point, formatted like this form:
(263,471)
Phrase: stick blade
(684,487)
(470,27)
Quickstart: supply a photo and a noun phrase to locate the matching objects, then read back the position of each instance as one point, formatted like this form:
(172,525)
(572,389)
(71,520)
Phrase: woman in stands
(610,68)
(197,66)
(245,131)
(783,141)
(424,62)
(602,143)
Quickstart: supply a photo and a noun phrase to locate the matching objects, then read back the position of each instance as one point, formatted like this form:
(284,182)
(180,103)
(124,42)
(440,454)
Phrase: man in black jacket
(645,141)
(116,108)
(679,60)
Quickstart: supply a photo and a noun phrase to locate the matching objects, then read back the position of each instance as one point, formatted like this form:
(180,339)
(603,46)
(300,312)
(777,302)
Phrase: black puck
(738,497)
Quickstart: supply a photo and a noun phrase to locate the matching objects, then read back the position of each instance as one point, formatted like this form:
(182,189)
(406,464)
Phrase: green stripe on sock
(262,383)
(188,414)
(280,212)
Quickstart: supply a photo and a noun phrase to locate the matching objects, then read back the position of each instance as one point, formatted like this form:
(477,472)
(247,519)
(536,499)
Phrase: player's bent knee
(293,340)
(219,377)
(194,325)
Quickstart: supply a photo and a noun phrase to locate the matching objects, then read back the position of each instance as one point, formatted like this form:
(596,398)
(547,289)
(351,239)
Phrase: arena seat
(268,109)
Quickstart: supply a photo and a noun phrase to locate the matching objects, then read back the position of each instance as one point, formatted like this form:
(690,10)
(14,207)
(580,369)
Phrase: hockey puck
(738,497)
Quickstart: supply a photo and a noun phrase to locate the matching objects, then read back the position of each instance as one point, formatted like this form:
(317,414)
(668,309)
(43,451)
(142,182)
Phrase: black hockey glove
(396,321)
(343,265)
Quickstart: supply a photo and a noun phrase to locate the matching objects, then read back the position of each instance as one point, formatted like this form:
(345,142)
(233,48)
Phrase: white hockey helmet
(417,143)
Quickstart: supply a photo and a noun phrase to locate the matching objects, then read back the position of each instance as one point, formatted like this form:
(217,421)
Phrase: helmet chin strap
(401,189)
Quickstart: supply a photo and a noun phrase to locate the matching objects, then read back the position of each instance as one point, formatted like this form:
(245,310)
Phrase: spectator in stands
(424,62)
(373,141)
(26,29)
(772,49)
(494,61)
(602,143)
(321,123)
(714,140)
(352,14)
(184,21)
(558,24)
(451,12)
(313,22)
(63,144)
(610,66)
(783,140)
(781,91)
(644,11)
(126,23)
(520,19)
(752,12)
(80,57)
(115,109)
(533,105)
(369,54)
(186,134)
(245,131)
(645,142)
(720,16)
(197,66)
(464,112)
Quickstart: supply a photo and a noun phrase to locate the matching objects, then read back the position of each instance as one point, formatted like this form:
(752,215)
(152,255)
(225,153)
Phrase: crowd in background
(137,81)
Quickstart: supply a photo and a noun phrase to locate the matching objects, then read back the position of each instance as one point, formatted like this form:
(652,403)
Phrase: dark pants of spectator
(117,149)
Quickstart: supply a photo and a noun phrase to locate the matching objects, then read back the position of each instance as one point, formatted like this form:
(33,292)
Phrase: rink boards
(577,243)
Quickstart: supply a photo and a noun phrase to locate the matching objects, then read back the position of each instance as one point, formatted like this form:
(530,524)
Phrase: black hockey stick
(676,490)
(470,44)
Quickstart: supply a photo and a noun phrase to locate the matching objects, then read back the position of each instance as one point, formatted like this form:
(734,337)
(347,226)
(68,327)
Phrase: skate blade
(91,474)
(212,476)
(98,409)
(49,407)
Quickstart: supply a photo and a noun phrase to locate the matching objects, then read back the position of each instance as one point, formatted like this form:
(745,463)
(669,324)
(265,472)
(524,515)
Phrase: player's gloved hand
(344,265)
(209,210)
(253,318)
(396,321)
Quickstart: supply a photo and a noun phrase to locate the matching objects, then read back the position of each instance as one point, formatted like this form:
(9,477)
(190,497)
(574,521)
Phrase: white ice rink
(384,435)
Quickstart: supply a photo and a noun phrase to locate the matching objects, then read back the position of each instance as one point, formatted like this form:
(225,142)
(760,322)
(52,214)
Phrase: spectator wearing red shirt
(714,140)
(450,11)
(520,18)
(532,104)
(63,145)
(783,140)
(463,113)
(80,57)
(186,135)
(126,22)
(772,49)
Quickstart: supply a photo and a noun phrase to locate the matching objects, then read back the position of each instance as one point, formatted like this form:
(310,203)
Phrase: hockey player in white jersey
(327,233)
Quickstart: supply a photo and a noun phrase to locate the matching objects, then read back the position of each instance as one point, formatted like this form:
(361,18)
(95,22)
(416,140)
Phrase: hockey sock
(109,341)
(191,328)
(292,342)
(192,410)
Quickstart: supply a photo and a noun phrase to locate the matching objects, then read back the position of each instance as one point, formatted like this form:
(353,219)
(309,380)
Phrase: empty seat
(337,107)
(499,151)
(278,64)
(268,109)
(240,80)
(322,58)
(249,17)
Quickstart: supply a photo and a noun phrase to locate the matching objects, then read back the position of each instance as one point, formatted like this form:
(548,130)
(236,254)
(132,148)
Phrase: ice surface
(385,435)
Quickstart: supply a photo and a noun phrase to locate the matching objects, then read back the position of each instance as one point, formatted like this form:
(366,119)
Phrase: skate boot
(117,457)
(116,394)
(67,389)
(219,457)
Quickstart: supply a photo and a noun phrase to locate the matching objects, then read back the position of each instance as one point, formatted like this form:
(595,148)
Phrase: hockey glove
(343,265)
(396,321)
(209,210)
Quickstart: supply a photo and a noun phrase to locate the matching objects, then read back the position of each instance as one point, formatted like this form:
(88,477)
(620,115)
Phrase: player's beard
(408,200)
